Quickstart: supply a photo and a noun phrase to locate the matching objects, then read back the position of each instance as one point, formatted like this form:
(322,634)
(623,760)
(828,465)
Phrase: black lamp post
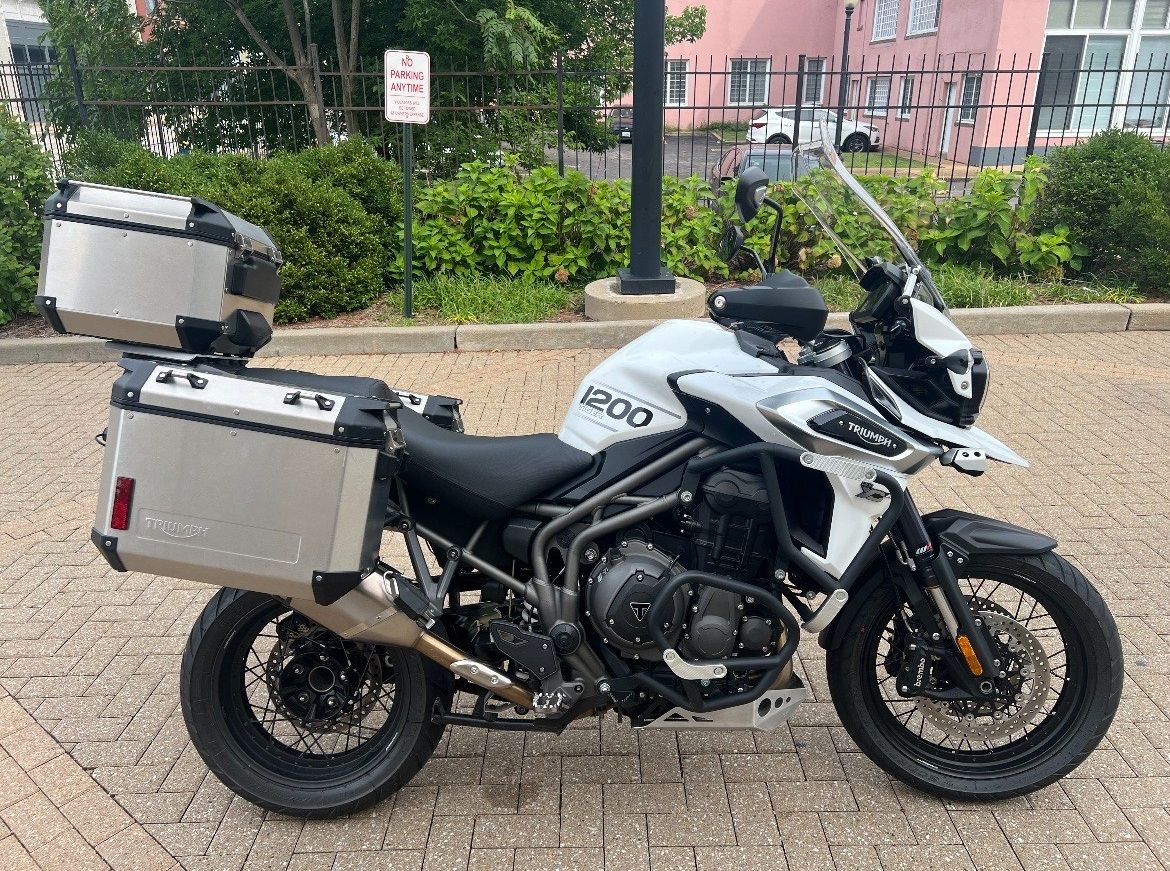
(646,273)
(843,89)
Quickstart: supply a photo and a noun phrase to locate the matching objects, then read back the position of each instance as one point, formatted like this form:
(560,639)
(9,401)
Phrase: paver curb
(1007,320)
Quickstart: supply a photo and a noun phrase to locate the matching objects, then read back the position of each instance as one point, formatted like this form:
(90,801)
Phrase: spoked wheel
(1058,683)
(295,718)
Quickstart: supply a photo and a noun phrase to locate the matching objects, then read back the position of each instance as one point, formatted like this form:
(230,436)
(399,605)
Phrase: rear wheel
(779,139)
(1059,654)
(298,720)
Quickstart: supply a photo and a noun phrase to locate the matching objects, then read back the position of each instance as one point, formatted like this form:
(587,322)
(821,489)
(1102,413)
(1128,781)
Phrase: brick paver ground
(93,657)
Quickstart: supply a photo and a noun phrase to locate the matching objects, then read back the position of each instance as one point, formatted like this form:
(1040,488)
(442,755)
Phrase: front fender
(955,535)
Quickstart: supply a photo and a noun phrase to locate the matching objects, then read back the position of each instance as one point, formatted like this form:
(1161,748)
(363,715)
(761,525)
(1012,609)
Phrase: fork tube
(938,580)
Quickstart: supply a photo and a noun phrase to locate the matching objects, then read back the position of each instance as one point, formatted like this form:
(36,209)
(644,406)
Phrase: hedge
(336,213)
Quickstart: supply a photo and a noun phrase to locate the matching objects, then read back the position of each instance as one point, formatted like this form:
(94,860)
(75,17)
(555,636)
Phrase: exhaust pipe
(367,613)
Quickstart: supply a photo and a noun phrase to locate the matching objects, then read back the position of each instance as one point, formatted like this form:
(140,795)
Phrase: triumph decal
(174,528)
(853,429)
(640,609)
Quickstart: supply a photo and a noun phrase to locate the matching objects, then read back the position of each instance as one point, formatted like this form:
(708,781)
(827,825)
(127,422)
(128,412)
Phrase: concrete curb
(359,340)
(1013,320)
(534,337)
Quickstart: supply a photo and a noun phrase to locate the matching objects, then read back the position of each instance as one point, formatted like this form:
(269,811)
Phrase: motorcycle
(706,501)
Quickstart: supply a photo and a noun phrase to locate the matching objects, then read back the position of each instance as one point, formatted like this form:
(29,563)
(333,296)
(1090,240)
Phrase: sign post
(408,102)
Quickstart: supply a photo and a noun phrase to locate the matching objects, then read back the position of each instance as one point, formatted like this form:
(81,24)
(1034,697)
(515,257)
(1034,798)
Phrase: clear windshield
(859,227)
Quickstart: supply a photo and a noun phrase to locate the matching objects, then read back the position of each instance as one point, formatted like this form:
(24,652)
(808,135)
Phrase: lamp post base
(629,284)
(684,298)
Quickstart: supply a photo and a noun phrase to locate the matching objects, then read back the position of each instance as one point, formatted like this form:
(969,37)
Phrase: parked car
(774,160)
(621,123)
(776,126)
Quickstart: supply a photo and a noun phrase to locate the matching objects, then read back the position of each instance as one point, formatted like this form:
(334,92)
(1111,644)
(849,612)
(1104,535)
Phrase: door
(948,127)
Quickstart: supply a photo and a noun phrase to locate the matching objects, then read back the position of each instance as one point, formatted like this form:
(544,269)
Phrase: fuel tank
(629,396)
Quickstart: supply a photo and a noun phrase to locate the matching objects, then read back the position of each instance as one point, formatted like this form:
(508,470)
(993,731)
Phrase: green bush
(1113,193)
(24,176)
(334,211)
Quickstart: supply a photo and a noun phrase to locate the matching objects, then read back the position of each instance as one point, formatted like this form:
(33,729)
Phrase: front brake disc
(1027,671)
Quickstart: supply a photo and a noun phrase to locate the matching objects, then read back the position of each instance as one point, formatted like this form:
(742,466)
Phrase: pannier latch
(194,380)
(323,402)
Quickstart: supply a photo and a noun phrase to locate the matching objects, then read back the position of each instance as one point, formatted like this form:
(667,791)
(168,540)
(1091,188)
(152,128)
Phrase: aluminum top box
(157,270)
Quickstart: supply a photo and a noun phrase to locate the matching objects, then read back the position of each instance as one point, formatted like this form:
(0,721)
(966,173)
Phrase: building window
(1150,86)
(1079,79)
(749,81)
(814,81)
(1102,14)
(969,105)
(877,97)
(1156,15)
(923,17)
(676,82)
(885,19)
(906,100)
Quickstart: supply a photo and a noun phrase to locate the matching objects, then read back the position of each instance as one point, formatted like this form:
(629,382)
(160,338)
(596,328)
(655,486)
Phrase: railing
(900,117)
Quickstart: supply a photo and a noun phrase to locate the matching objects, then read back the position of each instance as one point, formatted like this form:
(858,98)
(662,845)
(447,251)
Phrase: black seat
(484,476)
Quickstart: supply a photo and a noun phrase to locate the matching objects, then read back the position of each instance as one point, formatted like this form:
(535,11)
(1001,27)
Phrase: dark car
(621,123)
(774,160)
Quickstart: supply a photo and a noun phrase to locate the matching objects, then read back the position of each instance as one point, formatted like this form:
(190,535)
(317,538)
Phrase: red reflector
(123,496)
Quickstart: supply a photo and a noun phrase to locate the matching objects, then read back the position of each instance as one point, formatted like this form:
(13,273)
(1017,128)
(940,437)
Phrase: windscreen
(859,227)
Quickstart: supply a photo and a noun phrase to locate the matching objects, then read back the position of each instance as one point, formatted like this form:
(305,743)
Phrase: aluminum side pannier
(155,269)
(239,482)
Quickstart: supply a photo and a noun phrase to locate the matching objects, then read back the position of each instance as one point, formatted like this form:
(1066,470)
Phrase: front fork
(961,627)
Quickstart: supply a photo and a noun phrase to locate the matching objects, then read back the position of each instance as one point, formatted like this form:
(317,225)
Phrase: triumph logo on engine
(175,528)
(846,426)
(640,609)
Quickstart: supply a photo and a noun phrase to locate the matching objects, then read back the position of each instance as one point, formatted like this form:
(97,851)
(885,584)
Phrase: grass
(879,161)
(973,287)
(481,299)
(484,299)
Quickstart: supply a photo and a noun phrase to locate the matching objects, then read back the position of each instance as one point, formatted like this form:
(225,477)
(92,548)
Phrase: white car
(776,126)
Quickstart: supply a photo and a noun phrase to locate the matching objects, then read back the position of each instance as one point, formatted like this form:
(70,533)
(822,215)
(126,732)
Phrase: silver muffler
(367,613)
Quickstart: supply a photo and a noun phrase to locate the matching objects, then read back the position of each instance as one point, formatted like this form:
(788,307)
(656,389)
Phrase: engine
(727,533)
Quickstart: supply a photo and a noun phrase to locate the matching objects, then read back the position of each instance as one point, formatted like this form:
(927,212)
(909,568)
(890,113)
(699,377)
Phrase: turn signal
(123,496)
(973,663)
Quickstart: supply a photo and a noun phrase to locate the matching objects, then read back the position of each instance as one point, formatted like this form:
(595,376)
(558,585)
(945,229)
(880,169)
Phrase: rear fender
(957,536)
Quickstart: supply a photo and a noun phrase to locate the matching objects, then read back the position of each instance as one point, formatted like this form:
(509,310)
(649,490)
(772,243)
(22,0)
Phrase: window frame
(820,80)
(906,99)
(686,82)
(966,106)
(870,108)
(878,7)
(919,5)
(750,74)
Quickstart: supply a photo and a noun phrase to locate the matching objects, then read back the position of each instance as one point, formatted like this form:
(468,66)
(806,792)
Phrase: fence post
(560,114)
(799,100)
(1034,126)
(78,91)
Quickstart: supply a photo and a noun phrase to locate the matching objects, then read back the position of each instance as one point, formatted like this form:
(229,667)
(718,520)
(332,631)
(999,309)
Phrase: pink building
(951,78)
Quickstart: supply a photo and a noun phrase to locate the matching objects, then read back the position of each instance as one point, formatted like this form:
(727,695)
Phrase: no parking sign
(408,86)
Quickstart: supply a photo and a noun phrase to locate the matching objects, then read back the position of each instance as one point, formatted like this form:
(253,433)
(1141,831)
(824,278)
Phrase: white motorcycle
(705,501)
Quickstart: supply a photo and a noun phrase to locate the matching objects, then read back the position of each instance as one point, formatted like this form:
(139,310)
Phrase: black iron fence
(953,117)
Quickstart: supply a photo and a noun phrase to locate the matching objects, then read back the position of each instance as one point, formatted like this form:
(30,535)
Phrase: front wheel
(298,720)
(855,143)
(1058,650)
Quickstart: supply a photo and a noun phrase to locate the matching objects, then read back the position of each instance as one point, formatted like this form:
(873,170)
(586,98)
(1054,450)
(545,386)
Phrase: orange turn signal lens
(973,663)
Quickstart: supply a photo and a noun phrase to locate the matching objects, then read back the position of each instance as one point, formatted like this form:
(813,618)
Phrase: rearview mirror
(750,192)
(730,242)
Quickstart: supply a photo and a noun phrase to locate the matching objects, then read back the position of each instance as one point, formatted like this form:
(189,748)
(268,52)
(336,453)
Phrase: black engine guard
(952,532)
